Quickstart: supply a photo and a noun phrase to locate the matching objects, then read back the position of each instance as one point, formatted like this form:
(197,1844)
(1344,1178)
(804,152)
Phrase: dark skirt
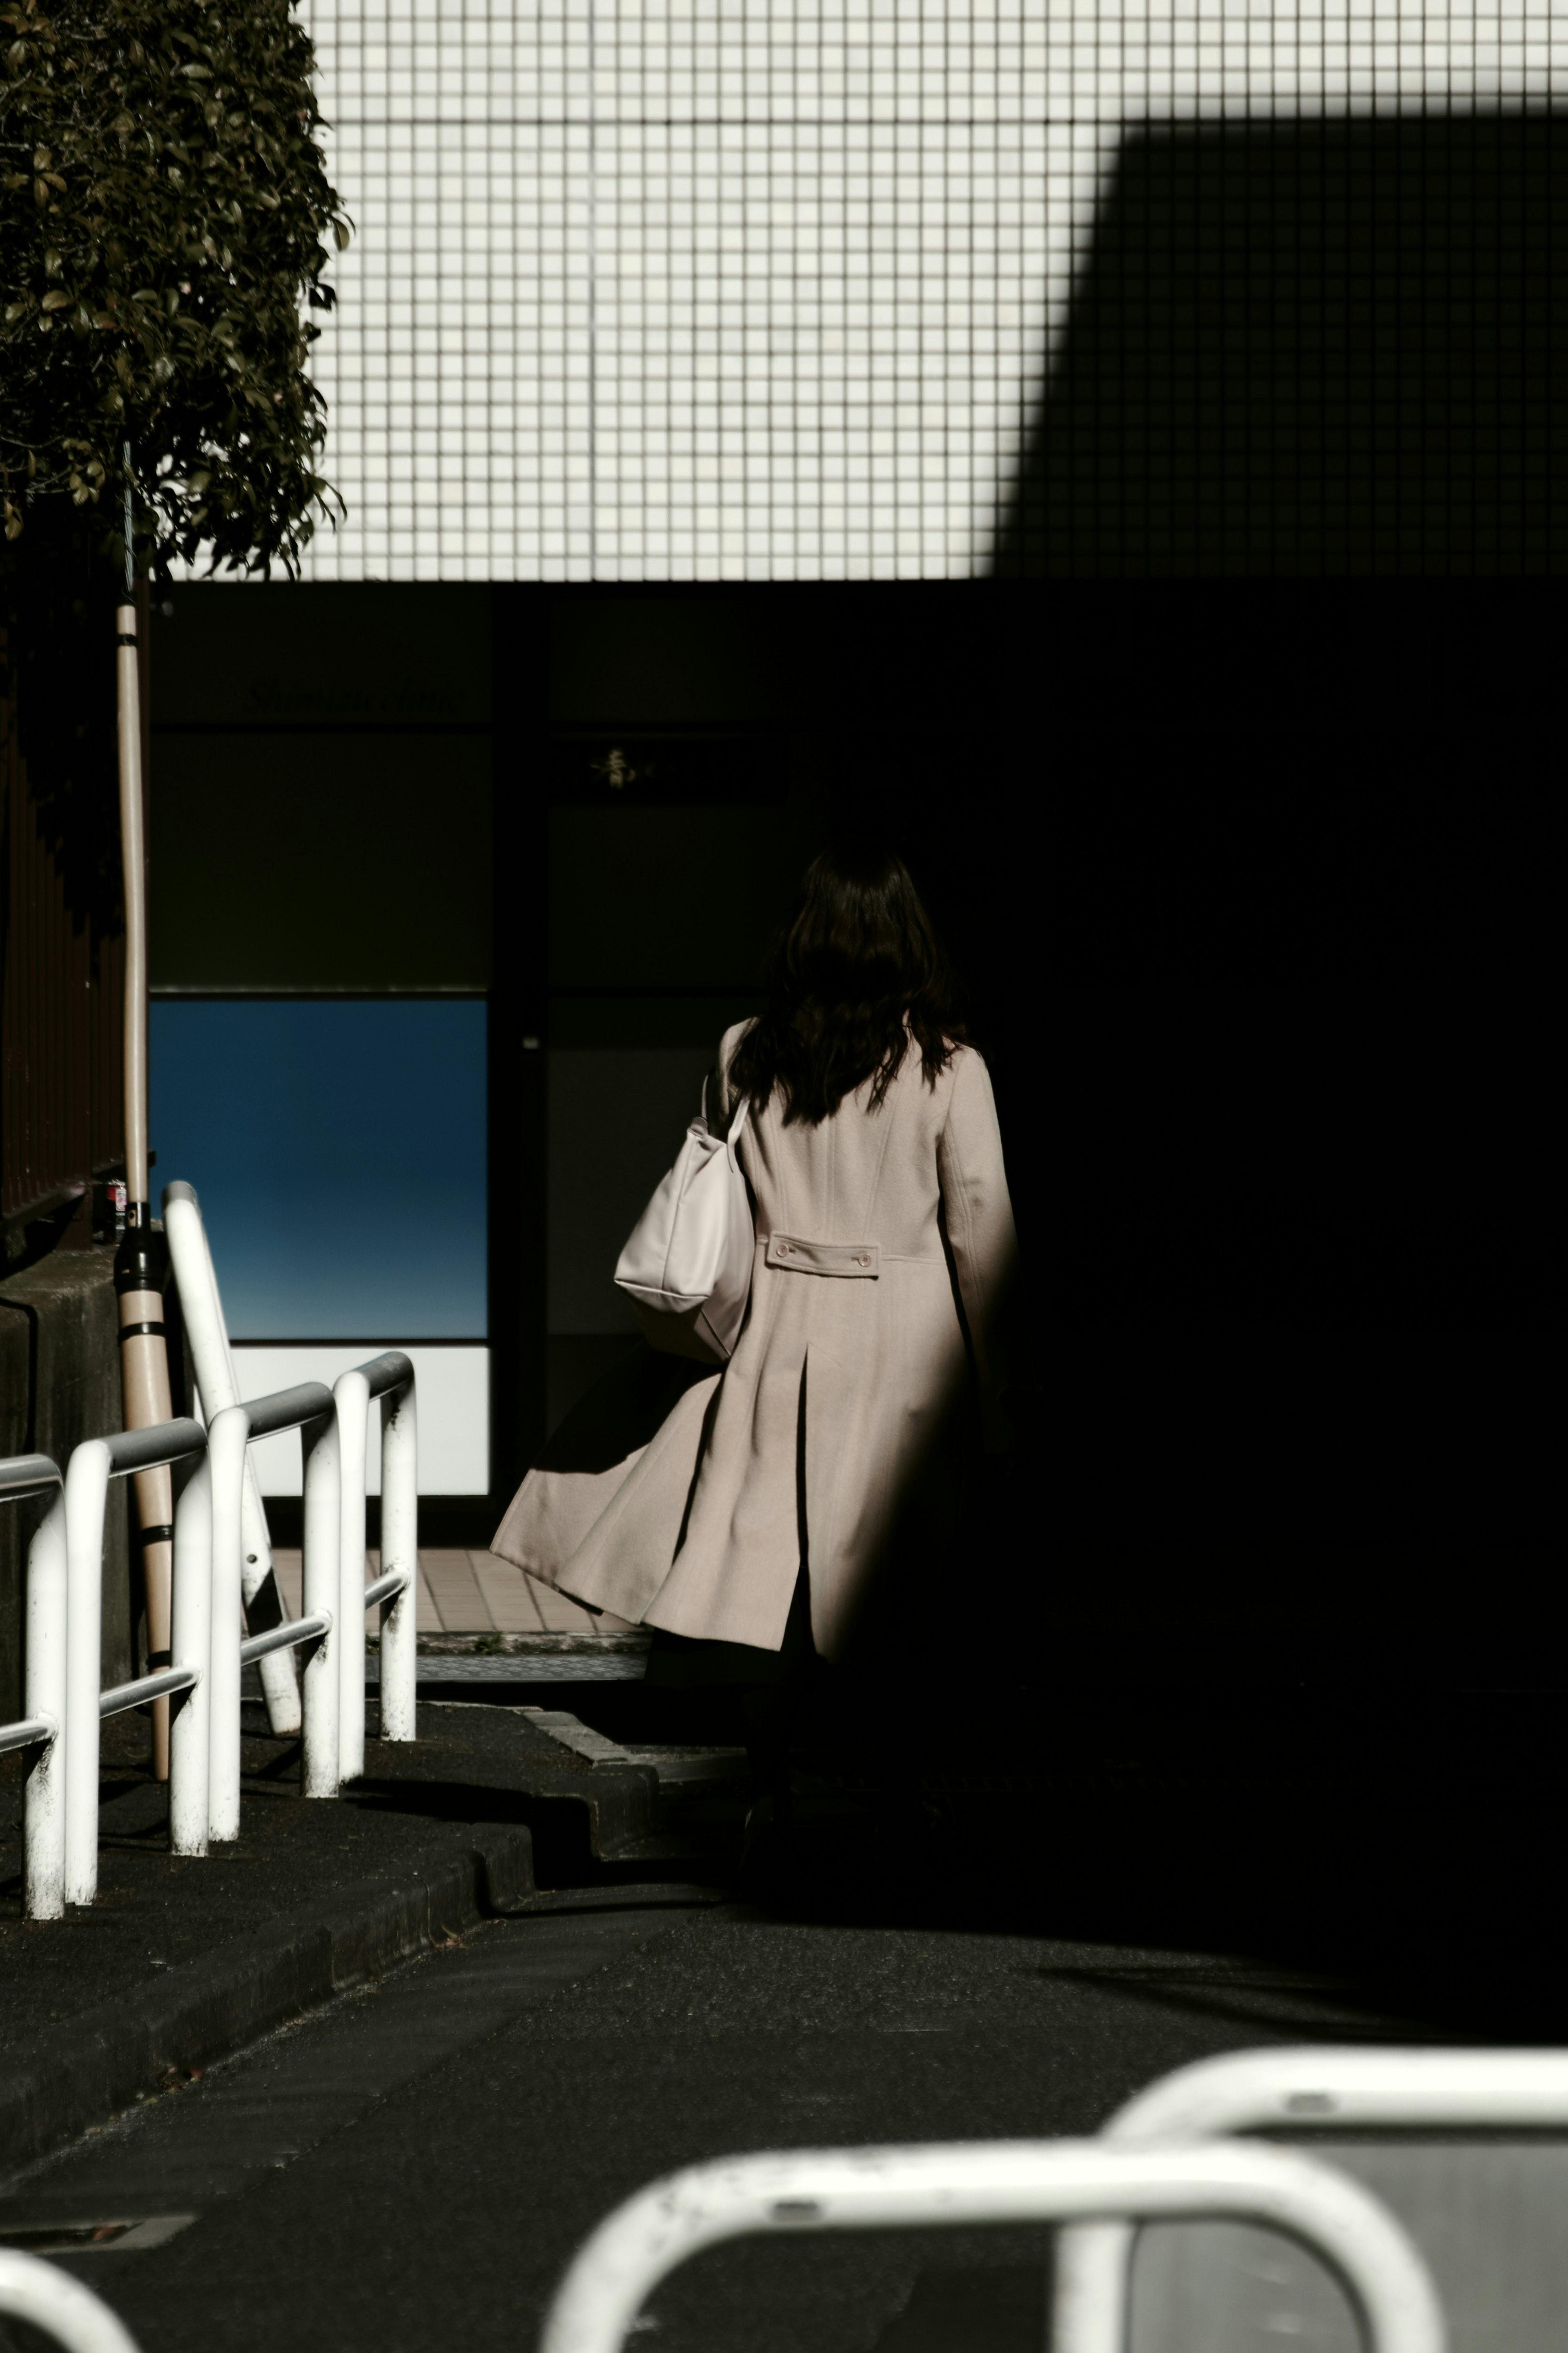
(684,1662)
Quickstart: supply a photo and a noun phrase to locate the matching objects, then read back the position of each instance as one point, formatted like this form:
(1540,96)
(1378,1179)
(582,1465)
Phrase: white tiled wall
(674,290)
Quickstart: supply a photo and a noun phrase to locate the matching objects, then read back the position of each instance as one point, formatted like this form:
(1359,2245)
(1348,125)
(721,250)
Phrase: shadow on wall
(1313,348)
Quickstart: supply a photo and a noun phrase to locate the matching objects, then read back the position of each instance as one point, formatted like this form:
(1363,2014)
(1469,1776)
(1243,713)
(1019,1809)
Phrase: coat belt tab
(852,1260)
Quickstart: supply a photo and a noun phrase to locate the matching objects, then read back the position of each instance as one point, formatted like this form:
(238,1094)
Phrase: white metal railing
(49,2300)
(307,1408)
(209,1651)
(1352,2087)
(342,1596)
(63,1629)
(336,1596)
(389,1378)
(43,1699)
(962,2183)
(201,1310)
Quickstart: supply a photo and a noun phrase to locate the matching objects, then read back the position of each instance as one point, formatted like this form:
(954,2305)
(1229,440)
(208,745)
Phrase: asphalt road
(413,2166)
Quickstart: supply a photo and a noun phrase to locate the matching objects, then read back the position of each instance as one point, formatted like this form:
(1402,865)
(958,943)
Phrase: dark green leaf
(146,177)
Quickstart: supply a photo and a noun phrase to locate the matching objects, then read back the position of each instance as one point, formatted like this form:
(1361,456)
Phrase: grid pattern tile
(676,289)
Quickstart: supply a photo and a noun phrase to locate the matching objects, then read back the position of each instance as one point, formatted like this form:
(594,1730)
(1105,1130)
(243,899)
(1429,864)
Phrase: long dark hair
(856,977)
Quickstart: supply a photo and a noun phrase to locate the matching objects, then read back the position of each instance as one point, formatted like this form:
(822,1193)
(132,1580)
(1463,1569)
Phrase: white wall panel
(667,290)
(453,1387)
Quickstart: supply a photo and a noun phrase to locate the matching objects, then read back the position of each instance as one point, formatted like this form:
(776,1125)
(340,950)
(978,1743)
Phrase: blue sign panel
(338,1149)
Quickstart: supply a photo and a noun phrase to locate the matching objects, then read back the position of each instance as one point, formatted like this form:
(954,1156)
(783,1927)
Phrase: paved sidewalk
(183,1959)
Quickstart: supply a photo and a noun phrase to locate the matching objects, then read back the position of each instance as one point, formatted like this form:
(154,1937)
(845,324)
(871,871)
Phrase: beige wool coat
(885,1248)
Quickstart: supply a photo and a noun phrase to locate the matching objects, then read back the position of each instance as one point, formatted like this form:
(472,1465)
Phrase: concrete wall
(60,1383)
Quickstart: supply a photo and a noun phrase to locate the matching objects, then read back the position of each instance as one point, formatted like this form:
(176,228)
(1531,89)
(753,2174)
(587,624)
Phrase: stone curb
(206,2009)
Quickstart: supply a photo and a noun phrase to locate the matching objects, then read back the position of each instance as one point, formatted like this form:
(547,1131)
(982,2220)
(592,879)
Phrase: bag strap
(737,1117)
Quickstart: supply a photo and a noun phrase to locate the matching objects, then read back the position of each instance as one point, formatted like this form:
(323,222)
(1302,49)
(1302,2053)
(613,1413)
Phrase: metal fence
(201,1308)
(49,2300)
(389,1378)
(963,2183)
(64,1706)
(1349,2089)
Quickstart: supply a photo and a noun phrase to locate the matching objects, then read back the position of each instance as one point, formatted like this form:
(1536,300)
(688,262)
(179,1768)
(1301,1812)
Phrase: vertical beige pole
(139,1263)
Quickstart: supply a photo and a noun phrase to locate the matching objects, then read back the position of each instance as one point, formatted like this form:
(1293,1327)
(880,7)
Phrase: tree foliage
(165,212)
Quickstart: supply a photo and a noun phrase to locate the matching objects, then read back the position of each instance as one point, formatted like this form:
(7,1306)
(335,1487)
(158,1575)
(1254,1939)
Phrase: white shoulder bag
(687,1268)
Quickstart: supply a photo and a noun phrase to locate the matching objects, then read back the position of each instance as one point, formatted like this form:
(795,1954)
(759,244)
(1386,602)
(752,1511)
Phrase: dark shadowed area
(1314,347)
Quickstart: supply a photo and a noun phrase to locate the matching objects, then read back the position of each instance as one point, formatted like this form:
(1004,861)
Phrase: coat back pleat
(833,1432)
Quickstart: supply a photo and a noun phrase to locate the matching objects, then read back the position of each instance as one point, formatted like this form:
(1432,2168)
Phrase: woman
(783,1501)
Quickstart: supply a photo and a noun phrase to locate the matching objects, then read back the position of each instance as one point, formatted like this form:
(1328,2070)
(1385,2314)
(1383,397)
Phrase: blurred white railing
(967,2182)
(1352,2088)
(44,2297)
